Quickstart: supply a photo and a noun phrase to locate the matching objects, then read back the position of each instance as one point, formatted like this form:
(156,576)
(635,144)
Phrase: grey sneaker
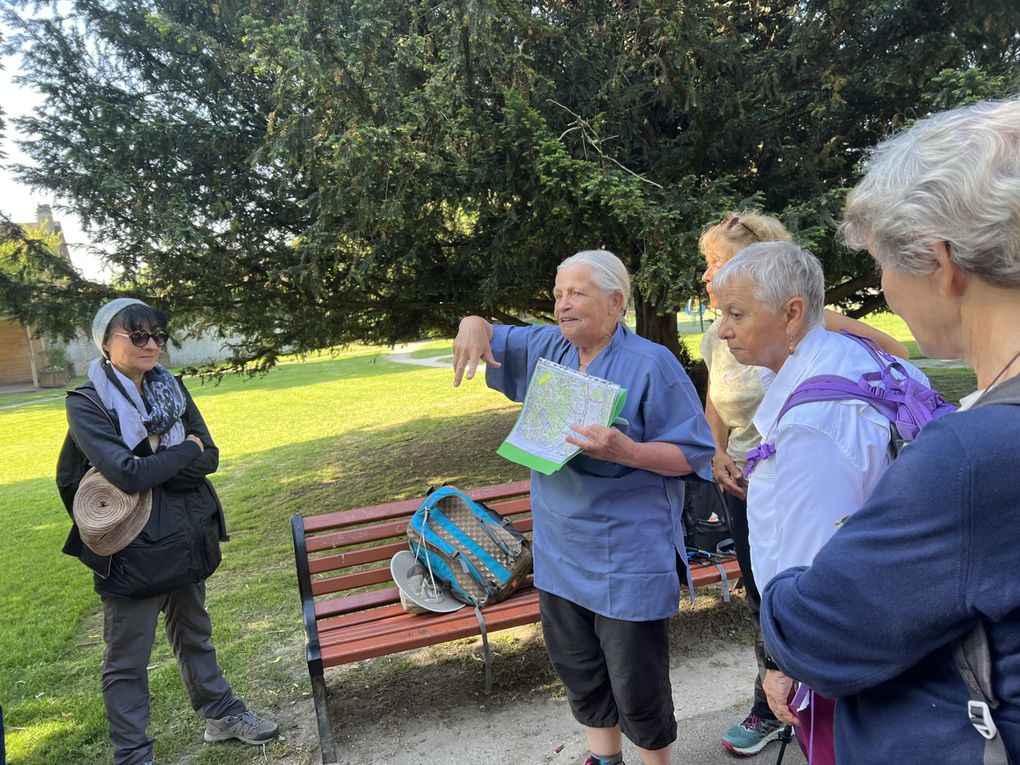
(247,727)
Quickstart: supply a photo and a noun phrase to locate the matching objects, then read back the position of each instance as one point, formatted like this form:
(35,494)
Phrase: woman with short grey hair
(931,556)
(825,456)
(777,273)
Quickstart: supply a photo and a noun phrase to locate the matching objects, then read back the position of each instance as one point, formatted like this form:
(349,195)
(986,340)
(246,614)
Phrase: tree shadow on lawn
(368,466)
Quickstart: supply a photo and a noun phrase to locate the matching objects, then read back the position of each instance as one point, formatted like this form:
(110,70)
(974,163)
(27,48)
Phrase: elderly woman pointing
(932,554)
(607,525)
(825,457)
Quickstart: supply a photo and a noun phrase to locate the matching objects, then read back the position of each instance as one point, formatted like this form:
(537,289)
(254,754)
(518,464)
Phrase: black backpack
(704,519)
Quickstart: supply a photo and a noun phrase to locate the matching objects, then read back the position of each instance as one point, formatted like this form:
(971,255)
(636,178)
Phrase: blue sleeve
(672,413)
(889,588)
(511,347)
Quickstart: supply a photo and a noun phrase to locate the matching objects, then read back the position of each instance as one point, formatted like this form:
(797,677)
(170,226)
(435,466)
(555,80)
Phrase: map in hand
(557,398)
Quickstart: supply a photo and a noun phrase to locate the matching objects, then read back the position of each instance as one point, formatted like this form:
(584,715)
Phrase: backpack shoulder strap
(836,388)
(971,653)
(973,659)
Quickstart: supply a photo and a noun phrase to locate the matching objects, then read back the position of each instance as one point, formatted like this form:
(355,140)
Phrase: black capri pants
(614,671)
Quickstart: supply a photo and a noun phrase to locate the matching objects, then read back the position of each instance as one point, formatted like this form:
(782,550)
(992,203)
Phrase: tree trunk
(662,329)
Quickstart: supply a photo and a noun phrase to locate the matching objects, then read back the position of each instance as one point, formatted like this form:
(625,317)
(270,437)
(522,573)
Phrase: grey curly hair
(953,177)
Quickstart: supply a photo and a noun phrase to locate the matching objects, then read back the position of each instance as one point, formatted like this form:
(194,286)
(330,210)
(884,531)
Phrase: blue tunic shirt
(606,535)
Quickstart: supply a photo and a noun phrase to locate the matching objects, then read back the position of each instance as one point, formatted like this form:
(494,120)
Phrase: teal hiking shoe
(247,727)
(752,735)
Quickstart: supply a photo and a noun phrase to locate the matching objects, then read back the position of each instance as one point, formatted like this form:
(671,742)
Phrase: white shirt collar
(789,376)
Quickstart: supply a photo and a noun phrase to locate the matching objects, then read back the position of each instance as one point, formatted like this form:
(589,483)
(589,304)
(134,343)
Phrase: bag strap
(973,659)
(907,404)
(971,653)
(97,404)
(485,649)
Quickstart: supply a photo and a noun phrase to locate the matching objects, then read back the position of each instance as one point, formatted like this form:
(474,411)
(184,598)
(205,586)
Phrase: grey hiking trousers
(129,629)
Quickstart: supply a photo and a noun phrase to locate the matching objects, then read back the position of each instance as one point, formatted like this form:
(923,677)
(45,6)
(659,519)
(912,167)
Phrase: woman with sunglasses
(139,427)
(734,393)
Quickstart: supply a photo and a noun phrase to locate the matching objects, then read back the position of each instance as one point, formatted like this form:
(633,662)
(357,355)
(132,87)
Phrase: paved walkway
(939,364)
(58,393)
(710,692)
(402,355)
(19,388)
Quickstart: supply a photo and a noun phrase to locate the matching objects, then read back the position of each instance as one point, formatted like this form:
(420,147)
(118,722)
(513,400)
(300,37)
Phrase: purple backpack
(907,403)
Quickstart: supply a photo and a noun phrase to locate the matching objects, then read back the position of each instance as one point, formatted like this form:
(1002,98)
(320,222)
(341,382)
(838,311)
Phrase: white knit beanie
(105,315)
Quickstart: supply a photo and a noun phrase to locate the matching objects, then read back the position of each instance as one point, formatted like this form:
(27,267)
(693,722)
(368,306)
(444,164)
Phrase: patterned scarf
(157,414)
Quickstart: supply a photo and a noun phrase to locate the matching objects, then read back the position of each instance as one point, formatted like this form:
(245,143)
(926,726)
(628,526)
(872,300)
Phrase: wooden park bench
(351,607)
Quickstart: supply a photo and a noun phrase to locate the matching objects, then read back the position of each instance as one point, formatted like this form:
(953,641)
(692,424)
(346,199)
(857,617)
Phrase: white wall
(207,348)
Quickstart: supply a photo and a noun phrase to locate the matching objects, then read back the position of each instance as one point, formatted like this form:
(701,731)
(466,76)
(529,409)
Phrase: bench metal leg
(326,744)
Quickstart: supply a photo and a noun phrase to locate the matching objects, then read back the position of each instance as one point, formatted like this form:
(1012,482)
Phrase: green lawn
(309,437)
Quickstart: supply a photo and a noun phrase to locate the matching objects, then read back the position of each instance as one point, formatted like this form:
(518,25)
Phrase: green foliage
(36,282)
(305,173)
(56,355)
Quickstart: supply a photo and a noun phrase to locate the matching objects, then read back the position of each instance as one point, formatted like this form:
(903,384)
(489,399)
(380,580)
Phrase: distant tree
(34,281)
(303,172)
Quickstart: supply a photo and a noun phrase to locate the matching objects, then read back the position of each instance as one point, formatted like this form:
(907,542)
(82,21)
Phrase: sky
(19,202)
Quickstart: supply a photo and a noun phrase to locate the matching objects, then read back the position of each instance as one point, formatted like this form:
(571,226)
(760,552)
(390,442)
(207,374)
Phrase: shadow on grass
(368,466)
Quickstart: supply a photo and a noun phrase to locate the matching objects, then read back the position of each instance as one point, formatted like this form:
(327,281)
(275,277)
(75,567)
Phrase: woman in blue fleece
(932,552)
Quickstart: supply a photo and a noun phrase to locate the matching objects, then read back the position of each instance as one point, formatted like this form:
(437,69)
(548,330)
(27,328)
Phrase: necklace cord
(1001,373)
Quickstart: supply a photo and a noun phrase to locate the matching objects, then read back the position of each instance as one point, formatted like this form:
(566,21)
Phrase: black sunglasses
(140,338)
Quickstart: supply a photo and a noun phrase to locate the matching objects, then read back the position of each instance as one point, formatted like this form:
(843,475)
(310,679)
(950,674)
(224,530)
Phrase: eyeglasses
(140,338)
(734,221)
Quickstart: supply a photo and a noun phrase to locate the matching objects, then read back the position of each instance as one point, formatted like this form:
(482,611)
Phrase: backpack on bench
(471,550)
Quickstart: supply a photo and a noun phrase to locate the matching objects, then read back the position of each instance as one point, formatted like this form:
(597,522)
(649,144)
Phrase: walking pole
(785,736)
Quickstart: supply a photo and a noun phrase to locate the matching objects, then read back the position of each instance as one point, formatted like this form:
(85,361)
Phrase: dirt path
(428,706)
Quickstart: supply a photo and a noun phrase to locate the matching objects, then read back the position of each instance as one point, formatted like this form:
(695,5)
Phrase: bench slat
(344,582)
(359,602)
(436,622)
(357,536)
(355,558)
(405,507)
(360,617)
(426,632)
